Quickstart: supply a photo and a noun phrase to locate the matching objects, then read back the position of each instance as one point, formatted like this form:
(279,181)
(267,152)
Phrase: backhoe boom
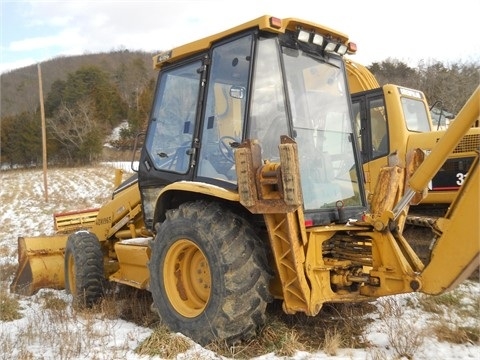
(456,254)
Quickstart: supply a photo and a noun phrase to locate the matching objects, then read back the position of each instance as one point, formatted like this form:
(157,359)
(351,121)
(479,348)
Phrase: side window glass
(268,114)
(225,109)
(416,115)
(358,124)
(174,119)
(378,128)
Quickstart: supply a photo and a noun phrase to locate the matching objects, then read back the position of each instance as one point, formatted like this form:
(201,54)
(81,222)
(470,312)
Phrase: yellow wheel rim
(71,274)
(187,280)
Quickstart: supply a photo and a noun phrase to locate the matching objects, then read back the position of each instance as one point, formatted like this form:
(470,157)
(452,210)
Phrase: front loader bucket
(40,264)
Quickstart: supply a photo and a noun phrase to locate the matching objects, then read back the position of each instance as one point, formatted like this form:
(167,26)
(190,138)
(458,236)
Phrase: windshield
(322,129)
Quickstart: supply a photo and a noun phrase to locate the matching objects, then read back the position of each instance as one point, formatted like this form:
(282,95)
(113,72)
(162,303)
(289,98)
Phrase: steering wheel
(225,147)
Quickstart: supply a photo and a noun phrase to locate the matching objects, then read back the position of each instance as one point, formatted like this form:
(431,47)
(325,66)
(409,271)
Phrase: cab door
(222,128)
(370,115)
(169,151)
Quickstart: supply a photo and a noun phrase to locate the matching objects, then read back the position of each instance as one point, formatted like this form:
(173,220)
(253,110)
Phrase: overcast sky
(407,30)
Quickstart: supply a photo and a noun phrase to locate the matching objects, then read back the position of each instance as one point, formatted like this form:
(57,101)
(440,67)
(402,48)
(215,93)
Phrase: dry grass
(164,344)
(403,336)
(5,251)
(9,306)
(333,341)
(25,210)
(7,271)
(56,325)
(454,316)
(130,304)
(51,302)
(276,337)
(455,333)
(438,304)
(336,326)
(451,317)
(69,332)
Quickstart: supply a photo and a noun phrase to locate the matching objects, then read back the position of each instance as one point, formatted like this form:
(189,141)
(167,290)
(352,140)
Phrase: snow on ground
(24,212)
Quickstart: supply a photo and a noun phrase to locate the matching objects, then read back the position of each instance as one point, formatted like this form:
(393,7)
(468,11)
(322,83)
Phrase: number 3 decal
(461,178)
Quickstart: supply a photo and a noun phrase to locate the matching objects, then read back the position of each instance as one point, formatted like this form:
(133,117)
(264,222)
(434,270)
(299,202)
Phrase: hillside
(19,90)
(450,83)
(87,96)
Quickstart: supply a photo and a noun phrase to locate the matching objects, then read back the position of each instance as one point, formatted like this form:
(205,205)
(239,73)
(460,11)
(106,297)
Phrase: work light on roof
(342,49)
(330,47)
(318,39)
(303,36)
(326,43)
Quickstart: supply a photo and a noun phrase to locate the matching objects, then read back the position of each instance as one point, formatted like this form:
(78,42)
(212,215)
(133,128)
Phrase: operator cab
(373,128)
(258,85)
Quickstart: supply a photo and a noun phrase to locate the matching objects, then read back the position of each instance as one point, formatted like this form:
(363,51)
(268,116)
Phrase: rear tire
(84,274)
(208,274)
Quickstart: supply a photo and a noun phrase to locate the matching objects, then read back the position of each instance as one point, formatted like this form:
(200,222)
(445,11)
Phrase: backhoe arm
(457,249)
(456,253)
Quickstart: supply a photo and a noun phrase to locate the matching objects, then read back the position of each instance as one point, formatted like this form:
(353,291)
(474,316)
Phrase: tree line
(449,86)
(83,109)
(80,111)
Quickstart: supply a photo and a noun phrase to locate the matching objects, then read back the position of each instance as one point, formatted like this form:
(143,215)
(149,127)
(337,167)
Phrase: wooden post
(44,133)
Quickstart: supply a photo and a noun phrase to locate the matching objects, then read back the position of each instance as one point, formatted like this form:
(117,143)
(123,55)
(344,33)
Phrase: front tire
(84,270)
(208,274)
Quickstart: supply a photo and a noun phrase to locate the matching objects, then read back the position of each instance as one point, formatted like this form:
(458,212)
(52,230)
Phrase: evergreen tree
(82,111)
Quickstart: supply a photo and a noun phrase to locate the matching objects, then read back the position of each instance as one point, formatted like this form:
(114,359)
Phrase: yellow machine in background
(392,119)
(250,188)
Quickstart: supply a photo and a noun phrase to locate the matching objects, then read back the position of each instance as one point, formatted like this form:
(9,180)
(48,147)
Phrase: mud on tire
(208,274)
(84,274)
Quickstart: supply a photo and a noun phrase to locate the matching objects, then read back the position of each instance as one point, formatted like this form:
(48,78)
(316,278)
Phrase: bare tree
(77,130)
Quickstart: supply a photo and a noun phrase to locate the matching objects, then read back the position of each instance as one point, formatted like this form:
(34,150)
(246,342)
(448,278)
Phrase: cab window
(222,129)
(371,128)
(173,119)
(268,114)
(415,114)
(378,128)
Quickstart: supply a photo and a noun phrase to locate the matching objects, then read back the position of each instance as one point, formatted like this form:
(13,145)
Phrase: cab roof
(263,23)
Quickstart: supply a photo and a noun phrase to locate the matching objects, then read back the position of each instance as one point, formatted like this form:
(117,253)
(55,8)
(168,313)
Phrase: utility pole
(44,133)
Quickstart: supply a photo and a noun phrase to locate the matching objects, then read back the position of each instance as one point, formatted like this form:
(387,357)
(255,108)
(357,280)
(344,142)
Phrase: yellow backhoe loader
(392,119)
(250,188)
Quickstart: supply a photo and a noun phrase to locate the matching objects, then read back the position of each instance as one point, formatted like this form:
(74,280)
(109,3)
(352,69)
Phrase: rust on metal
(267,187)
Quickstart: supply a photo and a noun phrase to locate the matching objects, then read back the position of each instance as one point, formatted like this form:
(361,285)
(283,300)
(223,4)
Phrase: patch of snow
(115,135)
(25,212)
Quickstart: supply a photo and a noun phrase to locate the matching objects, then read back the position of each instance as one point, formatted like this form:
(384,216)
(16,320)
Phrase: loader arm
(41,258)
